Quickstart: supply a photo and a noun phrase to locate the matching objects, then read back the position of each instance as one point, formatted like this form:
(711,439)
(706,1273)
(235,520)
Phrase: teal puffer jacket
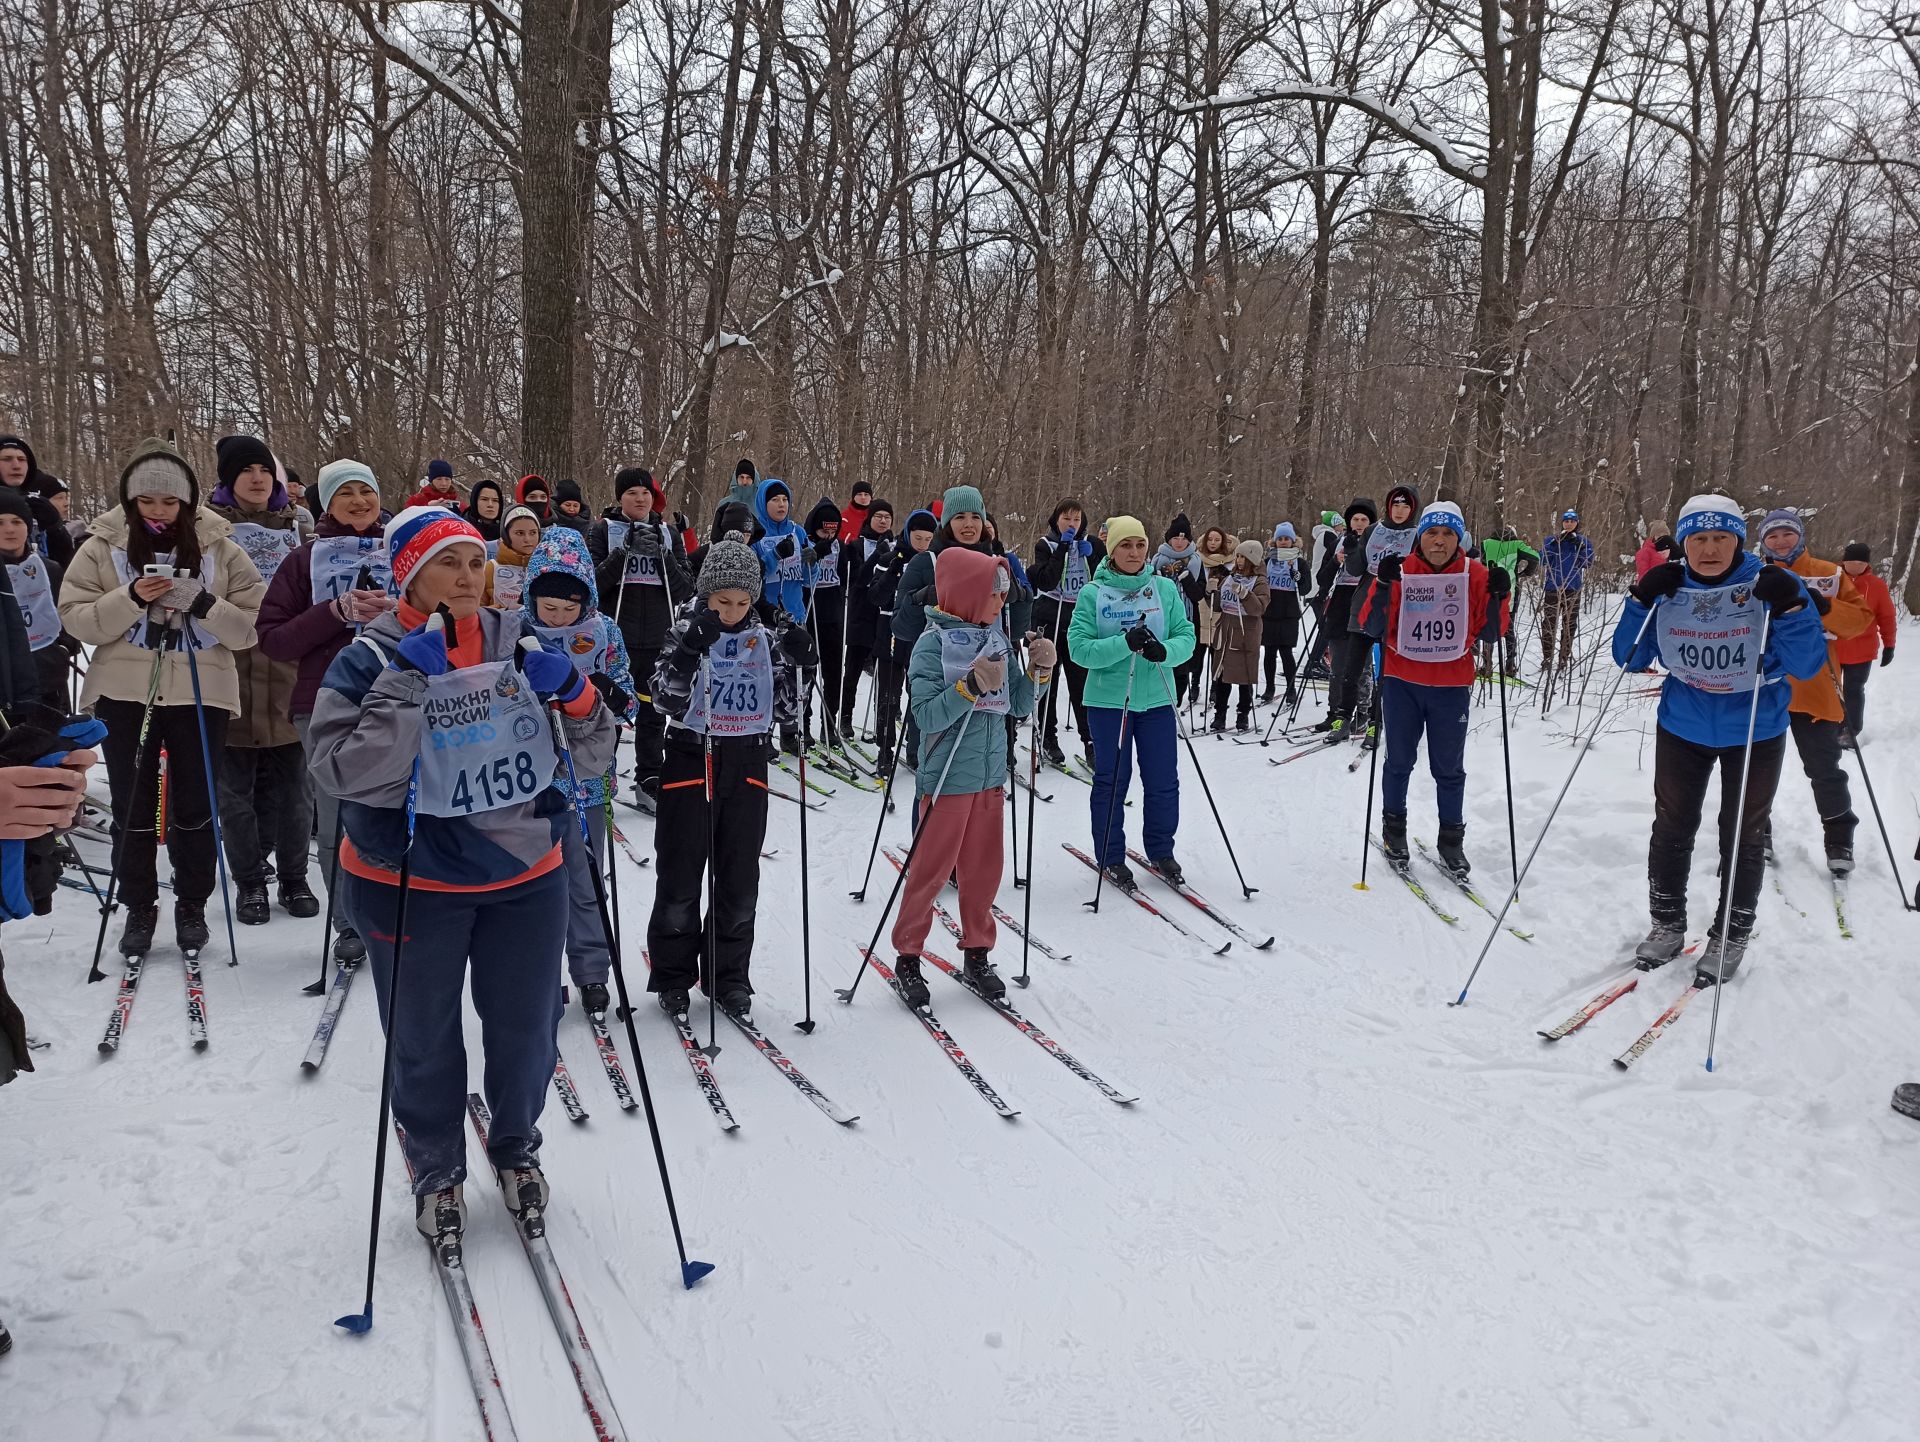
(939,709)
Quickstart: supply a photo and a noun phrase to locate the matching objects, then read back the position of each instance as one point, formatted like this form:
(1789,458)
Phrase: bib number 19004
(1713,656)
(503,780)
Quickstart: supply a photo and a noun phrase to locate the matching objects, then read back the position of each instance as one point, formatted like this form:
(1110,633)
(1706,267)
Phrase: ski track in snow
(1339,1210)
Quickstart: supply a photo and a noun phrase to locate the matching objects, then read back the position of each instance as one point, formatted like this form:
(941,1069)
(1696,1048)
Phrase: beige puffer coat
(98,609)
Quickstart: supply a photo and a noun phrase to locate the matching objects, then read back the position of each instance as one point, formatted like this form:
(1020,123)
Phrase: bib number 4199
(505,780)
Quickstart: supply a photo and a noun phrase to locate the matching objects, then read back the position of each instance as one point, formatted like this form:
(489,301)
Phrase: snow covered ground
(1340,1210)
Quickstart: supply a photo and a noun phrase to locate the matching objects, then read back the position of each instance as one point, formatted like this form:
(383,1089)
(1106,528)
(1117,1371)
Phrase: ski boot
(913,986)
(1906,1099)
(594,999)
(348,948)
(1291,699)
(441,1217)
(1219,727)
(1371,741)
(525,1191)
(190,926)
(1168,870)
(1243,722)
(737,1001)
(1266,697)
(136,938)
(1393,836)
(1051,753)
(1450,846)
(979,970)
(1838,835)
(1119,875)
(297,899)
(1662,945)
(1711,967)
(251,908)
(1322,728)
(676,1003)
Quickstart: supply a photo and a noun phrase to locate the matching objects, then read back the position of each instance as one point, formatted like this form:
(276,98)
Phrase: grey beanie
(157,469)
(731,565)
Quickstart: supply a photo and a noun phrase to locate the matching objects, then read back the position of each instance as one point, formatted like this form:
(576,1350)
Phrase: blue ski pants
(1119,736)
(1440,712)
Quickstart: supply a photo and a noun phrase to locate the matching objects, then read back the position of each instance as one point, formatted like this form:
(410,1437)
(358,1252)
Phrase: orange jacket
(1847,615)
(1852,650)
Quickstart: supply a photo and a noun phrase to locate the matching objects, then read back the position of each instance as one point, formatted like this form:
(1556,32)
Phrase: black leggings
(1681,771)
(189,808)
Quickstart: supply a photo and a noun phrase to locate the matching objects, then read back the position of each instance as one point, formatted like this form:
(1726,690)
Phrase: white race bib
(738,700)
(1233,595)
(33,589)
(203,639)
(1120,611)
(265,546)
(1434,625)
(509,585)
(960,647)
(641,570)
(488,743)
(1282,575)
(1709,638)
(826,570)
(1828,586)
(337,561)
(579,643)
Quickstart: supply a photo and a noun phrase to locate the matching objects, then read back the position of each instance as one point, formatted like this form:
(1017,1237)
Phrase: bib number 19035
(503,780)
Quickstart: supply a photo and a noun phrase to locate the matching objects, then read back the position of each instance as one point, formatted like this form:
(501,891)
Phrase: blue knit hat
(1710,513)
(1442,515)
(437,467)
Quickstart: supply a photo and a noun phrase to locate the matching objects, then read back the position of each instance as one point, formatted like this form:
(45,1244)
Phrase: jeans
(1118,736)
(1681,771)
(509,941)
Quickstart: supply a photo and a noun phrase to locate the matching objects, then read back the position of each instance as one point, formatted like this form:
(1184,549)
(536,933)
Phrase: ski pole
(213,799)
(1732,864)
(318,988)
(1292,712)
(1033,786)
(1207,791)
(846,993)
(805,1024)
(1373,771)
(709,962)
(123,823)
(886,805)
(1506,762)
(1113,781)
(361,1322)
(1878,820)
(612,872)
(1581,755)
(690,1272)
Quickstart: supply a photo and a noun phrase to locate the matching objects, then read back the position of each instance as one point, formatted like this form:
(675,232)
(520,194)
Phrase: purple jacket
(292,628)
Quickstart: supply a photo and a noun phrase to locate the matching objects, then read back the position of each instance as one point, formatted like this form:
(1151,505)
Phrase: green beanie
(959,499)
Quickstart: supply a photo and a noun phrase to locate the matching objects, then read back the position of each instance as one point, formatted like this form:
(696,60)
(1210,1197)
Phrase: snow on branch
(1403,120)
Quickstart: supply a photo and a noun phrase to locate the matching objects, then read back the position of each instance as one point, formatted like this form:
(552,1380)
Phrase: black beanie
(1361,506)
(858,487)
(629,478)
(568,490)
(922,521)
(233,454)
(876,506)
(1181,527)
(1856,551)
(561,584)
(13,502)
(745,468)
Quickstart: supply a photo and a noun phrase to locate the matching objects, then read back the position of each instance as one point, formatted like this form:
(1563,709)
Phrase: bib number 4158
(504,780)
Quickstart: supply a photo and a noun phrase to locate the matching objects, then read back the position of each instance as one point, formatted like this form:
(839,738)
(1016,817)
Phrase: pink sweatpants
(959,835)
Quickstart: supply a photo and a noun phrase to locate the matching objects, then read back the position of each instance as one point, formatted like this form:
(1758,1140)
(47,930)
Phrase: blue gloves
(1086,548)
(1066,536)
(549,673)
(424,649)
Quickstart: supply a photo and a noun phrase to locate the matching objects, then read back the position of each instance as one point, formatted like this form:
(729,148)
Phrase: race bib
(1709,638)
(640,570)
(488,743)
(509,585)
(1233,595)
(33,589)
(265,546)
(1073,574)
(960,647)
(1120,611)
(738,699)
(336,563)
(1434,625)
(826,570)
(579,643)
(1828,586)
(203,639)
(1344,577)
(1282,575)
(1383,539)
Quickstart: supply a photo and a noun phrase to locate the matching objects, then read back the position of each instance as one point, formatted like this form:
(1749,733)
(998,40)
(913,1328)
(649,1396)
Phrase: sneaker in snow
(136,937)
(440,1215)
(297,898)
(348,947)
(250,907)
(979,970)
(1662,945)
(913,986)
(190,925)
(593,998)
(675,1002)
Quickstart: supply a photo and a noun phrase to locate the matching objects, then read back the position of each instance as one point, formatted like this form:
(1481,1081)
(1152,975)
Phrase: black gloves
(785,547)
(1143,642)
(202,604)
(1499,583)
(611,695)
(644,538)
(1389,571)
(1886,655)
(822,549)
(1660,582)
(1776,588)
(927,596)
(1821,603)
(702,631)
(797,646)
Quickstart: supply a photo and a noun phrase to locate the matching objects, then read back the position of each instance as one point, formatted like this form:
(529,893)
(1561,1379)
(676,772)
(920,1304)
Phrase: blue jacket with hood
(784,580)
(1796,647)
(563,549)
